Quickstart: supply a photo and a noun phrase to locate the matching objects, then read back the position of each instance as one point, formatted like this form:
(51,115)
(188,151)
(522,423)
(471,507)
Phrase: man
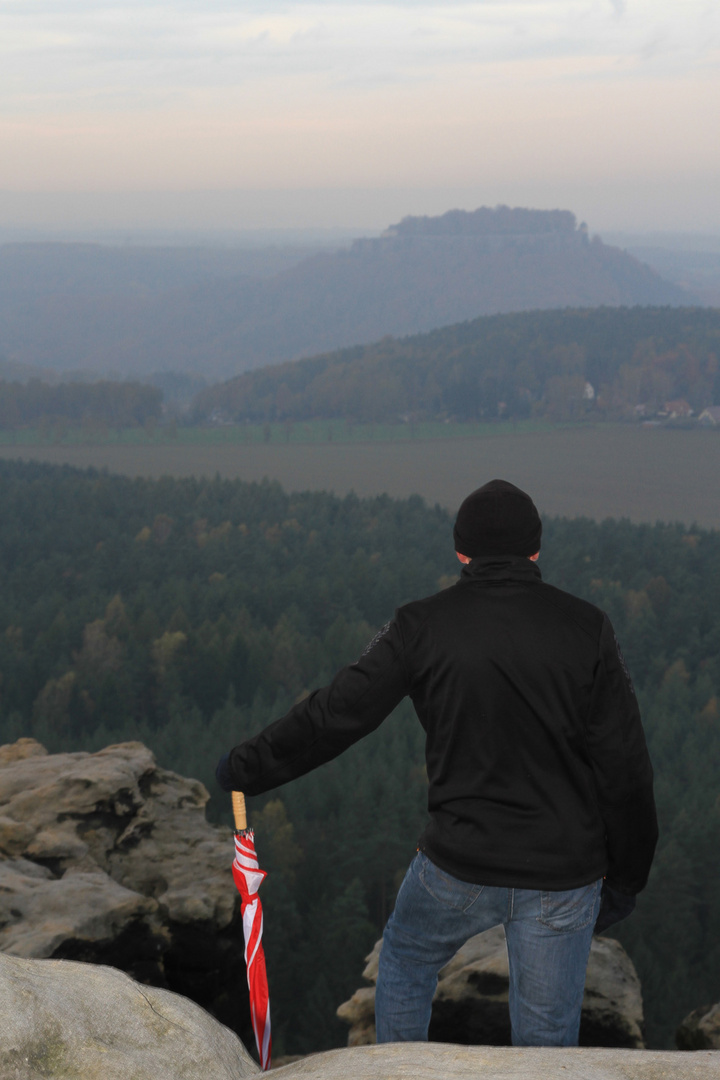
(540,785)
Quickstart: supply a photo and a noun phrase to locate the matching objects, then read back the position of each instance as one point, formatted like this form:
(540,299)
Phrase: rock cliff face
(107,858)
(470,1004)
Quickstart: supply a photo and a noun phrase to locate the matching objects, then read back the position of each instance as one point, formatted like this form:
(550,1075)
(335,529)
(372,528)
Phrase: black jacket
(538,772)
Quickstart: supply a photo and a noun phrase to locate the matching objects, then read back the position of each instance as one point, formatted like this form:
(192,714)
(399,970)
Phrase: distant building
(678,410)
(218,418)
(589,392)
(710,417)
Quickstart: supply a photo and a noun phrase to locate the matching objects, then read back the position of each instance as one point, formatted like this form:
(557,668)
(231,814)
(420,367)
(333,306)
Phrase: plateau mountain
(218,316)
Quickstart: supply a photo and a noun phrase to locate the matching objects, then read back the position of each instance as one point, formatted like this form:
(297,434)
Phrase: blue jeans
(548,941)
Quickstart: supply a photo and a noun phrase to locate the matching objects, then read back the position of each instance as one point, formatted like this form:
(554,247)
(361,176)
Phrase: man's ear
(466,558)
(535,557)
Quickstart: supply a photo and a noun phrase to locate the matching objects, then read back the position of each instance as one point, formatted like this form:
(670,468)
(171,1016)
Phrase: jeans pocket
(446,889)
(571,909)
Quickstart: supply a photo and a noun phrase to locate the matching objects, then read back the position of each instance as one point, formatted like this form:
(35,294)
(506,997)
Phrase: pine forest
(189,613)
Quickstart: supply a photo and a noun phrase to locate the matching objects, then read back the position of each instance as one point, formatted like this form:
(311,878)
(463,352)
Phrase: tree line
(593,364)
(189,613)
(488,221)
(115,404)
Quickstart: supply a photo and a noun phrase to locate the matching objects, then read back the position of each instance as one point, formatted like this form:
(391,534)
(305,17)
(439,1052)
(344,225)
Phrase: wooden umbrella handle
(238,804)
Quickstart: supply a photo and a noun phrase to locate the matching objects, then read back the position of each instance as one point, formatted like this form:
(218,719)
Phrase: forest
(114,404)
(189,613)
(489,221)
(563,365)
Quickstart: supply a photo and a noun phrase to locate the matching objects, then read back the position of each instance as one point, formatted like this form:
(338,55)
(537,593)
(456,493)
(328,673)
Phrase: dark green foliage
(498,366)
(190,613)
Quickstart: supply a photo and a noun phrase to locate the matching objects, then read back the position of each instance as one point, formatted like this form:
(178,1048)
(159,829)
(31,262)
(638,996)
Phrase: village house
(677,410)
(710,417)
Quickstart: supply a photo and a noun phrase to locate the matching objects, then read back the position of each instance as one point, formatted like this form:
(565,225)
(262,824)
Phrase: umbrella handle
(238,805)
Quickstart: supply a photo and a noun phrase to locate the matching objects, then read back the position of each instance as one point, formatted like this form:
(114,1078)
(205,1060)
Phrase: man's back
(510,680)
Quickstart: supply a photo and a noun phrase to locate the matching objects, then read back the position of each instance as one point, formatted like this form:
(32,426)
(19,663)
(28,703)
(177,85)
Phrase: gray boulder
(72,1021)
(437,1061)
(470,1003)
(85,1022)
(107,858)
(700,1030)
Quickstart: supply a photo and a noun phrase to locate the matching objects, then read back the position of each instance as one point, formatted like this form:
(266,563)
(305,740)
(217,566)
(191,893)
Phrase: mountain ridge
(421,274)
(595,363)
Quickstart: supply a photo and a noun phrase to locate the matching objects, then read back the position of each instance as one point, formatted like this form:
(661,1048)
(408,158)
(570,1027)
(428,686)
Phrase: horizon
(146,231)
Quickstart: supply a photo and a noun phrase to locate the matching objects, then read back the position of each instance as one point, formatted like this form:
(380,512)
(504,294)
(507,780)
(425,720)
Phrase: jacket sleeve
(622,768)
(328,721)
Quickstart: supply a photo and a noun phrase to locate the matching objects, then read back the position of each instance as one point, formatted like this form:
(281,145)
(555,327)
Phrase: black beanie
(497,519)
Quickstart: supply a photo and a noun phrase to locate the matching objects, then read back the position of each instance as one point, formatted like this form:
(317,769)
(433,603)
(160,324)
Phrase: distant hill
(601,363)
(696,271)
(111,404)
(67,306)
(218,320)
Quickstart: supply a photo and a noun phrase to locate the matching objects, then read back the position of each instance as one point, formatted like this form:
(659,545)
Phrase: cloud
(52,51)
(216,91)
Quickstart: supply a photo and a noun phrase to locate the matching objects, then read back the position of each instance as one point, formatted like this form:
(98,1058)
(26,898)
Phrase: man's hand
(614,907)
(223,774)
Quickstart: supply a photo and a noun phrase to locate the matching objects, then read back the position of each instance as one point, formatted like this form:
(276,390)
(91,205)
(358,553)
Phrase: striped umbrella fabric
(248,878)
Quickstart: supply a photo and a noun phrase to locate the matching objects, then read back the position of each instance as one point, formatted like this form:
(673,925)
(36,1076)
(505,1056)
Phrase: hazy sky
(335,112)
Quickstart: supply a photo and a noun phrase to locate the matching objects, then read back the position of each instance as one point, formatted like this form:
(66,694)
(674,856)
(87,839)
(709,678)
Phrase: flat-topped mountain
(486,221)
(421,274)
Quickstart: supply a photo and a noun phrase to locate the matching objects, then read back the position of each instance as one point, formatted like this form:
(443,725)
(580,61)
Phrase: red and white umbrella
(248,878)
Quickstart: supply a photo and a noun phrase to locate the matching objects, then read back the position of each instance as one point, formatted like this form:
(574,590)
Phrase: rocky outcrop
(88,1022)
(700,1030)
(108,858)
(470,1004)
(85,1022)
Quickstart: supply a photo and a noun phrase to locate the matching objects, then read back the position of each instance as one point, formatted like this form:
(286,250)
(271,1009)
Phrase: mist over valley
(218,312)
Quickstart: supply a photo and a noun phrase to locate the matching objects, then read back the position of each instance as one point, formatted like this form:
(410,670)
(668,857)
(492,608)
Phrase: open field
(310,431)
(643,473)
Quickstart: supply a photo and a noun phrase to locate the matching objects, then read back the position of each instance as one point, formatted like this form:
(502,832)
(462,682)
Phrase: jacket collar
(492,568)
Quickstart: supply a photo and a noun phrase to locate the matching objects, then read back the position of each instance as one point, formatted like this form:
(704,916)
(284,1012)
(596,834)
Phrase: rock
(359,1013)
(46,913)
(612,1013)
(14,836)
(438,1061)
(87,1022)
(470,1003)
(63,1019)
(700,1030)
(23,748)
(107,858)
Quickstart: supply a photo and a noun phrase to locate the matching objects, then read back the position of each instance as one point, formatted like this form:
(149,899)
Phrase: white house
(710,417)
